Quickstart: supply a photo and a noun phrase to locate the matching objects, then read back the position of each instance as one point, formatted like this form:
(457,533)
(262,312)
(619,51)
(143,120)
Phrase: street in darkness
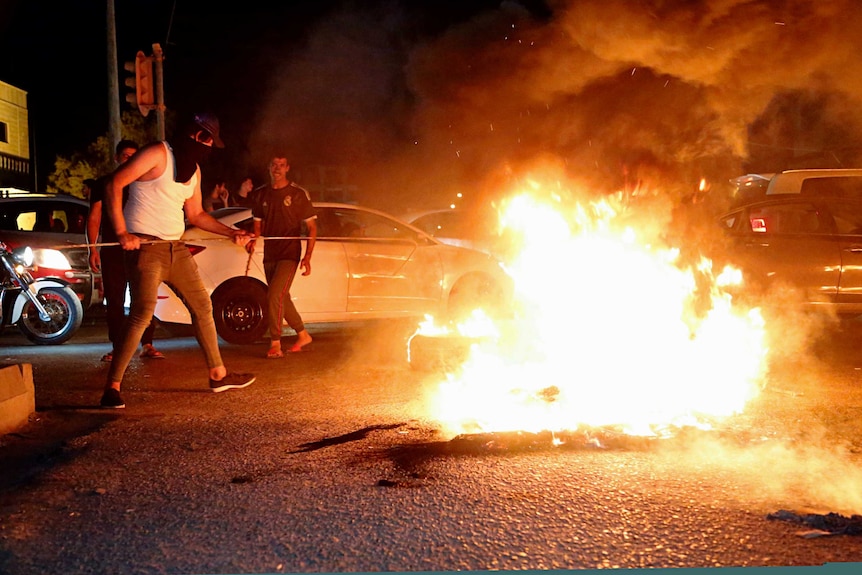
(330,462)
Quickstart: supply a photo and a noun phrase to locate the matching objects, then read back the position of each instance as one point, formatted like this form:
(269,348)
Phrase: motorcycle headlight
(53,259)
(23,256)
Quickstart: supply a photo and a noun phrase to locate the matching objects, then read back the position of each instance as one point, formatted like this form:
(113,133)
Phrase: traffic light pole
(158,57)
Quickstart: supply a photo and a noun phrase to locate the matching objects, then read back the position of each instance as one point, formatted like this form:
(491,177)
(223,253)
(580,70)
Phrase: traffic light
(144,97)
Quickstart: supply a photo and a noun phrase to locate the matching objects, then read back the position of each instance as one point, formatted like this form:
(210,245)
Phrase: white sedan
(366,265)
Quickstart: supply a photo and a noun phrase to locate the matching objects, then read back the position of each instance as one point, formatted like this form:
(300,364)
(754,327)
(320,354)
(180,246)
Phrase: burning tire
(438,353)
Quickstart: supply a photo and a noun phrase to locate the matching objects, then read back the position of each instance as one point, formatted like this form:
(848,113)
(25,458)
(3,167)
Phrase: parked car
(45,222)
(366,265)
(811,242)
(845,183)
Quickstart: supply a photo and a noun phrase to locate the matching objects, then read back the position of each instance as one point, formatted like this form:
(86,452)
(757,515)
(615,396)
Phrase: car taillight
(195,250)
(758,225)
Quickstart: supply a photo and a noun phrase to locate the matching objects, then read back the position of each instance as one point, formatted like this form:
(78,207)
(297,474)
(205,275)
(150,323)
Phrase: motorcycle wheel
(65,311)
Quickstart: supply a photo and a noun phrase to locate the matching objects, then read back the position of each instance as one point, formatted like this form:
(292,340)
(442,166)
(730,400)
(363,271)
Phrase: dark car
(811,243)
(47,223)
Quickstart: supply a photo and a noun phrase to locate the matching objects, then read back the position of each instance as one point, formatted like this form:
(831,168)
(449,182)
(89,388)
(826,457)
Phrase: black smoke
(622,94)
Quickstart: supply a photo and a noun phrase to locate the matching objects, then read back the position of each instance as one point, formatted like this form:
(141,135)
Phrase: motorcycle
(46,311)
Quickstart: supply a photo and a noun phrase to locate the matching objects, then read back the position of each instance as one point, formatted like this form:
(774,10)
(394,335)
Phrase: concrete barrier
(17,396)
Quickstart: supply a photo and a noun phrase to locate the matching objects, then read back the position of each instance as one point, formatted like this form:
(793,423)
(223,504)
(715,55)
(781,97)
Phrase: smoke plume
(622,93)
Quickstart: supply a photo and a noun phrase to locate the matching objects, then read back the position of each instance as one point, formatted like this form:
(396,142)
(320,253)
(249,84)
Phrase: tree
(98,158)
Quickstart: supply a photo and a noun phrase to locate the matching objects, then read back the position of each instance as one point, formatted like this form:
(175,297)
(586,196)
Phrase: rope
(226,239)
(221,239)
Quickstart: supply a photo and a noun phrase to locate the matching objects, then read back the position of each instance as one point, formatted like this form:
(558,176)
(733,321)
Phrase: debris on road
(822,525)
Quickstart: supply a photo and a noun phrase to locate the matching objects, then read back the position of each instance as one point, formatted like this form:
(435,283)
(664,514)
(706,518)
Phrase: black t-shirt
(97,194)
(283,211)
(245,202)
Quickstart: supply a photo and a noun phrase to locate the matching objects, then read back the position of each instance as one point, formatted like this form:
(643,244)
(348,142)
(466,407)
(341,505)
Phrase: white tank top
(155,207)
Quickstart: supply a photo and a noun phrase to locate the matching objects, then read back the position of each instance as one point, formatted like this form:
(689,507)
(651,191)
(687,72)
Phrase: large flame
(610,330)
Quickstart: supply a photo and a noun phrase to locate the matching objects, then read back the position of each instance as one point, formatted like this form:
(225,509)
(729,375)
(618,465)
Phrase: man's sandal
(152,353)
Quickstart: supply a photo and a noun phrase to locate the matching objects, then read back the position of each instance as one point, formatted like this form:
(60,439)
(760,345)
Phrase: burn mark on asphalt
(399,483)
(413,458)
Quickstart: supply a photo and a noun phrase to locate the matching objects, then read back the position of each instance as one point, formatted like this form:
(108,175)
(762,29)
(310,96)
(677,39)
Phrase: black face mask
(188,155)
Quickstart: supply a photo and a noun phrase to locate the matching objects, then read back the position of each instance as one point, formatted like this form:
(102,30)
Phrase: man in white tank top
(165,189)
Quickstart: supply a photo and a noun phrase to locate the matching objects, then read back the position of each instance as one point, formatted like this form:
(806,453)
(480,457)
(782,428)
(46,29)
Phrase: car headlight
(53,259)
(23,256)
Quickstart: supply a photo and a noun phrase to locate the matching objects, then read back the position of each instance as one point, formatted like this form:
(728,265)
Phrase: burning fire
(610,330)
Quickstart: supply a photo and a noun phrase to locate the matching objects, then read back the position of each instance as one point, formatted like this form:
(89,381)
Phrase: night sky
(422,99)
(217,57)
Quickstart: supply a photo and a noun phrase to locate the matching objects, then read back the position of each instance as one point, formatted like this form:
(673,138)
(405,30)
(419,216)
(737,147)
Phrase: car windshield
(336,222)
(446,224)
(56,217)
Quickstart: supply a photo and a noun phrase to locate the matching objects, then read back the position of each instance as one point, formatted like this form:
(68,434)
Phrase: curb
(17,397)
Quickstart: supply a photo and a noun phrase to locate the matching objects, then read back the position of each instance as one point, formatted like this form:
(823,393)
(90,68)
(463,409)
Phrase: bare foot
(302,339)
(274,350)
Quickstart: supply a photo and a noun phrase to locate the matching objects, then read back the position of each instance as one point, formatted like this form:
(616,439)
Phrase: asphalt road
(329,463)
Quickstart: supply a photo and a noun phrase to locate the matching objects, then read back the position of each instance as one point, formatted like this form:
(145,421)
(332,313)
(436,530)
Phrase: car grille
(79,258)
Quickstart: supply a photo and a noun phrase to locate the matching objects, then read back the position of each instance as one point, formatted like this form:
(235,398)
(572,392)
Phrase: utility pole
(114,126)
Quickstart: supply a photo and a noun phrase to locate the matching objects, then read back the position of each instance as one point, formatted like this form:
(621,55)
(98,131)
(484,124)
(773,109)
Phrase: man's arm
(94,224)
(305,264)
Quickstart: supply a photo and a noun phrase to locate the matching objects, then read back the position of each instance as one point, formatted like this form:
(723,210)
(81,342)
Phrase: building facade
(15,164)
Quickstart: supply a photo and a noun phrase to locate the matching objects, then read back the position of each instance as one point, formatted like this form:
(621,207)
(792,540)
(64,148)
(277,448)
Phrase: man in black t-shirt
(279,212)
(109,260)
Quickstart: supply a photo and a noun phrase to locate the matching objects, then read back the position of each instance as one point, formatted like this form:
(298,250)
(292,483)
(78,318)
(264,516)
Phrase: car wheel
(473,292)
(239,309)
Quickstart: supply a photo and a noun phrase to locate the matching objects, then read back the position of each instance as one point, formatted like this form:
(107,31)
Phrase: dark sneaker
(111,399)
(232,381)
